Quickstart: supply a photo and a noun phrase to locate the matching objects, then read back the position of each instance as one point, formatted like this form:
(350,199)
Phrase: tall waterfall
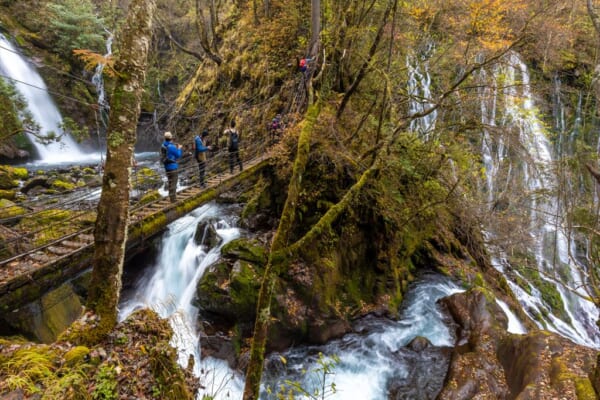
(30,85)
(518,163)
(419,92)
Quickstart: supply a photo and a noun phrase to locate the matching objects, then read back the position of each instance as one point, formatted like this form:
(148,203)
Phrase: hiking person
(303,64)
(200,149)
(274,128)
(233,146)
(170,153)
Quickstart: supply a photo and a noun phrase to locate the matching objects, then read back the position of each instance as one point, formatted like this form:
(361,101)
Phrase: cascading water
(169,288)
(374,360)
(98,81)
(41,106)
(419,91)
(371,357)
(518,166)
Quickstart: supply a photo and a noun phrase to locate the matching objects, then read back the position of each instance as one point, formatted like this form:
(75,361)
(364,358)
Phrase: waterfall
(419,92)
(170,285)
(39,103)
(518,165)
(98,82)
(369,357)
(374,354)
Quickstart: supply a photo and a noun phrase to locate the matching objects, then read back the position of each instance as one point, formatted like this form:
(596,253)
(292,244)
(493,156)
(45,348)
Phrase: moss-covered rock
(62,186)
(46,318)
(8,194)
(135,361)
(230,293)
(8,209)
(246,249)
(145,178)
(76,355)
(10,176)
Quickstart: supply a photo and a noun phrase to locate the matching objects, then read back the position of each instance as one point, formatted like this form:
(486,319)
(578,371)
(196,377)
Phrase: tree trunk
(263,307)
(113,210)
(315,23)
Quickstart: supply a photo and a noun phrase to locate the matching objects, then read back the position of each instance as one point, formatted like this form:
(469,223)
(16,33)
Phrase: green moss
(146,178)
(169,381)
(62,186)
(550,294)
(10,176)
(8,209)
(149,197)
(8,194)
(584,389)
(250,250)
(244,288)
(76,355)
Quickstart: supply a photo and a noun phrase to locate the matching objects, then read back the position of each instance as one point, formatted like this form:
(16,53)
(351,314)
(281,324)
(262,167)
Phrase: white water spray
(170,285)
(525,170)
(419,92)
(39,103)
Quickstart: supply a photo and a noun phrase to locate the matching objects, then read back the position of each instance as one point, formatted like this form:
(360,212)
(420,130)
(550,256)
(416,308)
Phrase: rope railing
(217,164)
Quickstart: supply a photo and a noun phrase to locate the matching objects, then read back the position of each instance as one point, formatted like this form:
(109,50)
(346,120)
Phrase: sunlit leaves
(91,61)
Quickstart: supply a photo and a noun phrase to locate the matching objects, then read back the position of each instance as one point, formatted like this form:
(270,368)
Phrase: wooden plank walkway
(56,262)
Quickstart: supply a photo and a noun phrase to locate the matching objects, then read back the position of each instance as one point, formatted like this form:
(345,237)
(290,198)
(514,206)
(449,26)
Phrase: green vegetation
(73,24)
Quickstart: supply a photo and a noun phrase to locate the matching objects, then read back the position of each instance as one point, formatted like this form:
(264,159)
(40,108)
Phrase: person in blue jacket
(200,149)
(170,153)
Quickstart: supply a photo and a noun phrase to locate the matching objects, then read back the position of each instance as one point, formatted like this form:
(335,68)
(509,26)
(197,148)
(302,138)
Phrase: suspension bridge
(31,269)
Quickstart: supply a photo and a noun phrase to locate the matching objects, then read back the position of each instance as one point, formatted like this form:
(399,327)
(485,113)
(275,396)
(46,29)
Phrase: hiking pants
(234,159)
(202,170)
(172,179)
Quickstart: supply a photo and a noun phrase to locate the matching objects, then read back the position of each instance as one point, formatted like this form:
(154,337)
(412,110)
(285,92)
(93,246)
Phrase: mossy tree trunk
(263,307)
(280,248)
(113,210)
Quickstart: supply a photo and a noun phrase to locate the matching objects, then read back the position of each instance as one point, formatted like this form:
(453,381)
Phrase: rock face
(490,363)
(425,376)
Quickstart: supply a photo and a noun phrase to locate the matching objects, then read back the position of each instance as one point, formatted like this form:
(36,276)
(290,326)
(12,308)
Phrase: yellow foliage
(91,60)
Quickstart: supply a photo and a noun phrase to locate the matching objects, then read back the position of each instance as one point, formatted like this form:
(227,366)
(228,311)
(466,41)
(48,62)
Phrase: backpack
(163,155)
(200,155)
(234,138)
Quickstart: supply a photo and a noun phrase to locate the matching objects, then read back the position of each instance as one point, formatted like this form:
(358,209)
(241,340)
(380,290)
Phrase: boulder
(39,181)
(218,346)
(250,250)
(206,234)
(489,362)
(426,369)
(229,293)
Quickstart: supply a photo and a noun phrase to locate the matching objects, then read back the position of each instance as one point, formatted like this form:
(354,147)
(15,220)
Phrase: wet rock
(491,363)
(218,346)
(426,369)
(229,292)
(206,234)
(37,182)
(419,343)
(321,331)
(250,250)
